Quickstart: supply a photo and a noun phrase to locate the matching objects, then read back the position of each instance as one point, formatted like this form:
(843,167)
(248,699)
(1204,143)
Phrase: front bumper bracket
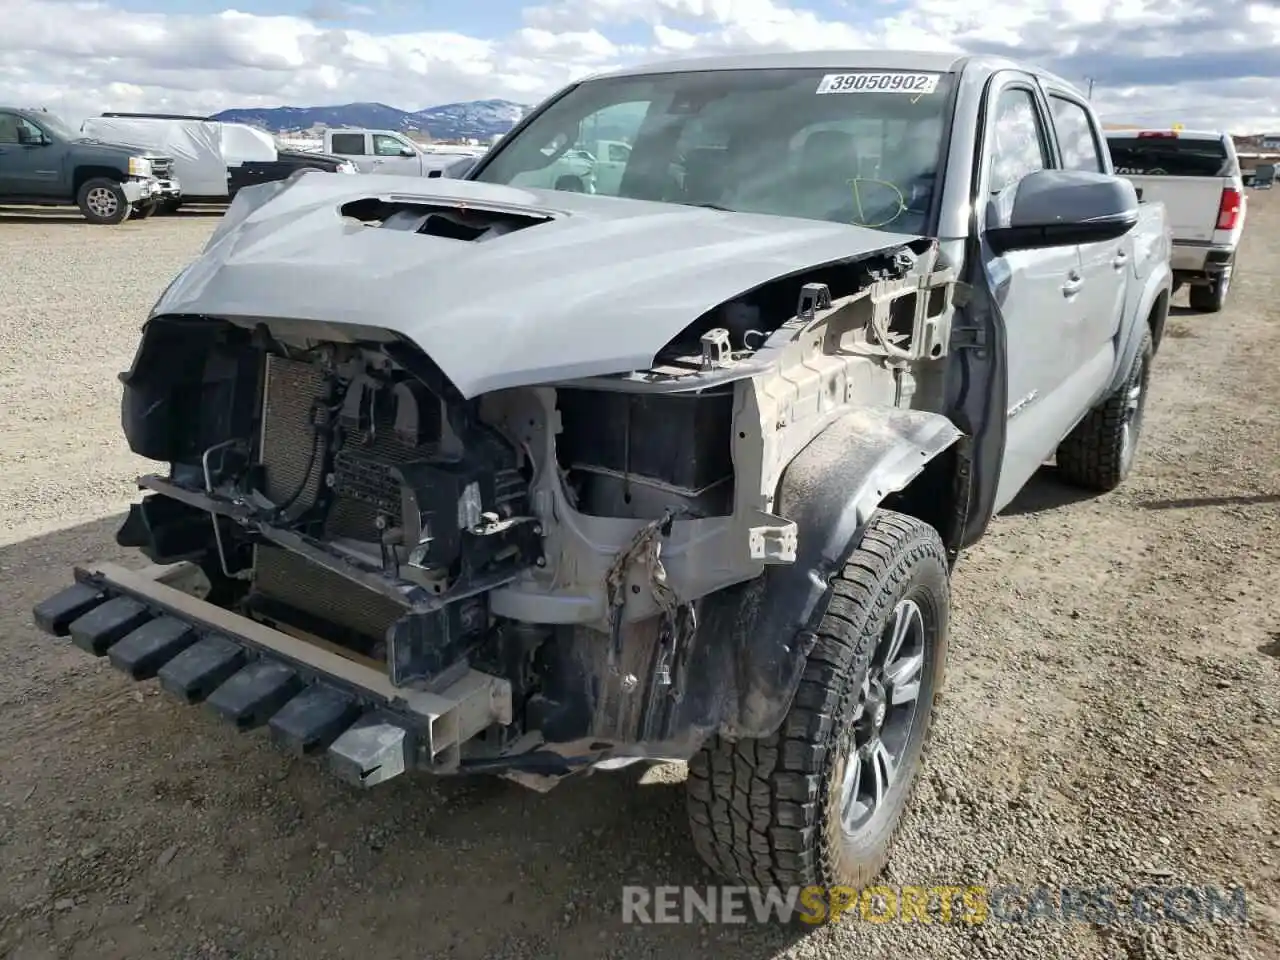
(155,623)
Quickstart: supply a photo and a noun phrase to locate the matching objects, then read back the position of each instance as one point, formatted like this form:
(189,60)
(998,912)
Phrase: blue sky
(1198,62)
(490,18)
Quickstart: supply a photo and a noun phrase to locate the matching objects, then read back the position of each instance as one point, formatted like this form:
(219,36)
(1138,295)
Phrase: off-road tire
(1099,453)
(767,812)
(103,201)
(570,184)
(1210,297)
(144,210)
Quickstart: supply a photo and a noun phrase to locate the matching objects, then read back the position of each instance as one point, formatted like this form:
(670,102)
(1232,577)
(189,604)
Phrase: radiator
(294,580)
(291,391)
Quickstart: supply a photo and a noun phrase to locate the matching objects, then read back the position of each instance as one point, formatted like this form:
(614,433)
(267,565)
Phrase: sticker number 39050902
(917,83)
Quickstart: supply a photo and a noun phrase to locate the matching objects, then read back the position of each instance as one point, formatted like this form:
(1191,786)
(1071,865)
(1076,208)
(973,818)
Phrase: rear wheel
(103,201)
(1099,453)
(819,801)
(1211,297)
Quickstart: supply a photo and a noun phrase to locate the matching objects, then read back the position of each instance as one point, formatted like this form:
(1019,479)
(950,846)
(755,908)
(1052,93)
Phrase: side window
(1019,147)
(1076,137)
(348,144)
(8,128)
(619,153)
(28,132)
(386,146)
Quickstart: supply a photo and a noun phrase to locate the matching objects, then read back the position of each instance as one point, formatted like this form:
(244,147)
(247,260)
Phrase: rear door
(1187,173)
(1106,267)
(352,145)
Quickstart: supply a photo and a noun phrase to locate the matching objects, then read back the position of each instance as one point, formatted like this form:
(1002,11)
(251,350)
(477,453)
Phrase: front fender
(830,491)
(1157,283)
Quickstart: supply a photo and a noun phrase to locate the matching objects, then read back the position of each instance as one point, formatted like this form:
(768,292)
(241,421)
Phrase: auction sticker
(913,83)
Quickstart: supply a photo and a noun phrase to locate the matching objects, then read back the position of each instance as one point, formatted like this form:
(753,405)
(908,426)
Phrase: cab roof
(928,61)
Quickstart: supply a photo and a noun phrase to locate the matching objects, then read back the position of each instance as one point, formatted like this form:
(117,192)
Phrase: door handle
(1120,259)
(376,162)
(1073,284)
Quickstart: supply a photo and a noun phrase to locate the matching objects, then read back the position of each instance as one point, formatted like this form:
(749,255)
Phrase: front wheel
(818,802)
(103,201)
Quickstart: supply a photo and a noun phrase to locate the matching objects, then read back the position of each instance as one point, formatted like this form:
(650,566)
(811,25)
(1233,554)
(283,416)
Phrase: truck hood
(123,150)
(599,288)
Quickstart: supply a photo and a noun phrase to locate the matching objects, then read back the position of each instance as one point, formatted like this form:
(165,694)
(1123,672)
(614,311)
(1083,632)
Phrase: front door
(611,163)
(28,166)
(389,158)
(1039,292)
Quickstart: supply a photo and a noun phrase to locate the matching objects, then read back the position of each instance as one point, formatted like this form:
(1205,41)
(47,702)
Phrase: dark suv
(43,162)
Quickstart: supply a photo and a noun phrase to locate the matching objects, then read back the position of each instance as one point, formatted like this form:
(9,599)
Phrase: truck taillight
(1229,209)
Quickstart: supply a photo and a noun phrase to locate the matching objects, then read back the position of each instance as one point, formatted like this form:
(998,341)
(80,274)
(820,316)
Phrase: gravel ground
(1111,715)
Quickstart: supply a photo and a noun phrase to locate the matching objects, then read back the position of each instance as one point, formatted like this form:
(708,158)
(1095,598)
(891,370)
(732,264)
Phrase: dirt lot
(1112,714)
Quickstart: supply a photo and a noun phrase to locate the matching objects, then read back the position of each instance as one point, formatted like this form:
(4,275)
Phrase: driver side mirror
(1057,208)
(28,139)
(406,152)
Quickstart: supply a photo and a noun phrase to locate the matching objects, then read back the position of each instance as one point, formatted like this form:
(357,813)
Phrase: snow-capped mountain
(480,119)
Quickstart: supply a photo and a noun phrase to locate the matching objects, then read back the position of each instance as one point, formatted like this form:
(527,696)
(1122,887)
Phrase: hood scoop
(450,221)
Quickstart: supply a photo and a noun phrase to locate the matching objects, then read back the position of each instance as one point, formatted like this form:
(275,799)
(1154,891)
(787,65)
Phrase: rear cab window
(347,144)
(1077,137)
(1170,155)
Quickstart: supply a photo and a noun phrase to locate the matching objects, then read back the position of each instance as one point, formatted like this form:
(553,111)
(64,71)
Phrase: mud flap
(153,623)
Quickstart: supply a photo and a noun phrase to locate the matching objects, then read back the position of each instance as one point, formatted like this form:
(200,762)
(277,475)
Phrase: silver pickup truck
(465,477)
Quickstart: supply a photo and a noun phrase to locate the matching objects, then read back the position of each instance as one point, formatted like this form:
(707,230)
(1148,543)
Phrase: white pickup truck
(389,152)
(590,166)
(1196,175)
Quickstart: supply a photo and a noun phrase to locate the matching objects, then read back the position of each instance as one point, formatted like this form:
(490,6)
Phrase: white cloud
(1192,61)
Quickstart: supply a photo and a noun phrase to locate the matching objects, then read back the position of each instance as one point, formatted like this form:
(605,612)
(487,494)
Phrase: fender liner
(829,491)
(1159,281)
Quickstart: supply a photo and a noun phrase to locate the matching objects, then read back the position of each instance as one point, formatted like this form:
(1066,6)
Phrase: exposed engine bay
(333,485)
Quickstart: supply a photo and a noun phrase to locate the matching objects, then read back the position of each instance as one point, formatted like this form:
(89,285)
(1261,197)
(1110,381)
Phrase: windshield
(1169,157)
(54,125)
(859,147)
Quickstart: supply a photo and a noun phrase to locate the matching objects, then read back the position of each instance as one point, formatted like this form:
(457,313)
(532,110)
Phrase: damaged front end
(529,581)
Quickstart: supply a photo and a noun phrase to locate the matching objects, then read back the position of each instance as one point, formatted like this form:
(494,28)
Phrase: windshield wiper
(709,206)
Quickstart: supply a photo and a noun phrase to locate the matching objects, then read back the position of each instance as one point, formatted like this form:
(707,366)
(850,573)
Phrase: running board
(155,623)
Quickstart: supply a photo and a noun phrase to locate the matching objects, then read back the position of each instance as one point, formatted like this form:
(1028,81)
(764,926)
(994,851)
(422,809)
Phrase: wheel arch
(1151,313)
(868,459)
(83,174)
